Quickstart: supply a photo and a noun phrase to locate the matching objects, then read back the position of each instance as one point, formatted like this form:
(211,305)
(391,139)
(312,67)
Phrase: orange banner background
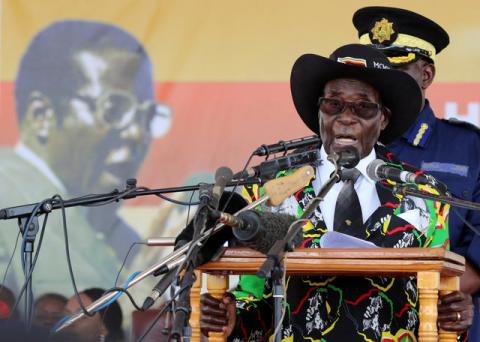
(223,67)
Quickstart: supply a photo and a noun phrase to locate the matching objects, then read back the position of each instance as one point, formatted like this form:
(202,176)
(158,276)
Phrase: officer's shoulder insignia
(383,32)
(420,134)
(461,123)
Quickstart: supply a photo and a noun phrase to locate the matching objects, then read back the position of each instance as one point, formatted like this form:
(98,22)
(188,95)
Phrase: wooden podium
(435,268)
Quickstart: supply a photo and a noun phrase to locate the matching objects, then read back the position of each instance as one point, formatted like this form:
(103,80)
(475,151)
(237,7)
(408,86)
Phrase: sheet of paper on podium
(340,240)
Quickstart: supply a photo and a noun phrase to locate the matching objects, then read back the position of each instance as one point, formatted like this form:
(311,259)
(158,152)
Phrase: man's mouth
(345,140)
(118,155)
(109,179)
(117,166)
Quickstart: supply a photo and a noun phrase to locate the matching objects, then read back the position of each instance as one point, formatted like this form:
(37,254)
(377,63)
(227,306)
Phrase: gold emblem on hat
(382,31)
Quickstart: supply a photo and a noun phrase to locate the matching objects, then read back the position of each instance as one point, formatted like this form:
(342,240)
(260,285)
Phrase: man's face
(86,328)
(48,312)
(422,71)
(346,127)
(106,129)
(414,69)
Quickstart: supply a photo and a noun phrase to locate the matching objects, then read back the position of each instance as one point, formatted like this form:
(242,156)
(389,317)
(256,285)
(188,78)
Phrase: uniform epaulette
(461,123)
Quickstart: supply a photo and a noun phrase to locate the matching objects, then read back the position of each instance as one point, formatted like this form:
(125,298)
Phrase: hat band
(397,60)
(406,40)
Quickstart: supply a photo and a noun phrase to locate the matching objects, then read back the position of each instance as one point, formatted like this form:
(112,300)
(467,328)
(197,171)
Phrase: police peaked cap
(398,29)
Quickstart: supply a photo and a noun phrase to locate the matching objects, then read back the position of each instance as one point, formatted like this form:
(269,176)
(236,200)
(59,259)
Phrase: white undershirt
(364,186)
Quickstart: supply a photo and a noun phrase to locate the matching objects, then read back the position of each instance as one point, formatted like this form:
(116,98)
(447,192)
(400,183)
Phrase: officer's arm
(470,280)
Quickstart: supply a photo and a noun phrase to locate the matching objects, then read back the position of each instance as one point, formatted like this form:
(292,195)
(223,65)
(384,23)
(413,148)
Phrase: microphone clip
(205,193)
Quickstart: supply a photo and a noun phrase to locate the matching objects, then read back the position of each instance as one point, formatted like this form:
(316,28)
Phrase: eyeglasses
(362,109)
(119,110)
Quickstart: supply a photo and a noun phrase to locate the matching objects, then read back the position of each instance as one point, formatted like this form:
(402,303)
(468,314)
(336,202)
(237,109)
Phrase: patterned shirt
(346,308)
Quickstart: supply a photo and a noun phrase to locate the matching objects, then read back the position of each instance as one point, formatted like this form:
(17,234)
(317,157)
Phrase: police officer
(447,149)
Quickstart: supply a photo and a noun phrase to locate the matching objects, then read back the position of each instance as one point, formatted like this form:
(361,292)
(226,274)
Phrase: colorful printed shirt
(346,308)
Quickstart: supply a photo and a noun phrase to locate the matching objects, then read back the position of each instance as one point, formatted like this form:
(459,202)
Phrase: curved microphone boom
(379,170)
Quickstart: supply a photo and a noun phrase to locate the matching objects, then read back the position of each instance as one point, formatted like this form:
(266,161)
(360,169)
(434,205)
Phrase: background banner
(95,92)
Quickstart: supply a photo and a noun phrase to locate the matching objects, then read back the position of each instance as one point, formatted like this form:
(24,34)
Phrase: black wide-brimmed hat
(398,91)
(401,34)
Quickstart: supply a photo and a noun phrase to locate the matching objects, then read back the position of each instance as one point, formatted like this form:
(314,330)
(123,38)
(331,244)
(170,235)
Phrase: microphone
(160,288)
(223,175)
(259,230)
(284,146)
(269,168)
(379,170)
(347,157)
(210,194)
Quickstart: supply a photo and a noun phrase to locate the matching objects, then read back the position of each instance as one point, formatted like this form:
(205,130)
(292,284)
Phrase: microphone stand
(273,267)
(47,206)
(28,214)
(275,191)
(172,257)
(181,325)
(29,231)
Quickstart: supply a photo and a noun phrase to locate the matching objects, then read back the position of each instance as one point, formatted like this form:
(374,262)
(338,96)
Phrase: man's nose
(133,132)
(347,116)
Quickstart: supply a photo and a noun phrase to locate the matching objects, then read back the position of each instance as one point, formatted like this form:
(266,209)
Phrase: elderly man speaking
(349,99)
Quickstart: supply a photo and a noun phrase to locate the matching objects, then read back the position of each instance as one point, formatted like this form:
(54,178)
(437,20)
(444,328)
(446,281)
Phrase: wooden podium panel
(435,268)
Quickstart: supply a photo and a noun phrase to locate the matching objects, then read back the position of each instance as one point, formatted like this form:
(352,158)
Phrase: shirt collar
(361,166)
(29,156)
(419,134)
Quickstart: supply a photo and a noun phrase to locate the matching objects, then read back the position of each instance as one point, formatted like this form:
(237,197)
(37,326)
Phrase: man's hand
(216,315)
(455,311)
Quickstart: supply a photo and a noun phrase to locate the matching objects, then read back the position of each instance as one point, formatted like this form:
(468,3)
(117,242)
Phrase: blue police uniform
(449,150)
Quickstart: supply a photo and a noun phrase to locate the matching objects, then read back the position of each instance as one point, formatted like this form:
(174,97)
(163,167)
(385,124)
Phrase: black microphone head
(348,157)
(223,175)
(273,227)
(372,169)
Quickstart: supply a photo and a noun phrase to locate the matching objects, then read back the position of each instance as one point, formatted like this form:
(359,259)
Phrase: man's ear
(428,75)
(39,118)
(386,114)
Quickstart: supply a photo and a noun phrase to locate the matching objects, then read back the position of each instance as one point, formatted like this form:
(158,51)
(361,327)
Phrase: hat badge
(382,31)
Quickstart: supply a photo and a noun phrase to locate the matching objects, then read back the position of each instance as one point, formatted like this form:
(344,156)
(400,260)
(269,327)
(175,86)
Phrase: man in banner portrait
(87,116)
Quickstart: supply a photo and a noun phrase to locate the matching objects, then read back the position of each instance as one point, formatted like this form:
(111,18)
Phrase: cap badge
(382,31)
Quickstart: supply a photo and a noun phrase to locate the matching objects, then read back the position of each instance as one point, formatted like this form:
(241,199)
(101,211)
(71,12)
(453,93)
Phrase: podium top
(344,261)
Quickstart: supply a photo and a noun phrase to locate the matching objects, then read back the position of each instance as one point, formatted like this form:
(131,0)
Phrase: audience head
(7,301)
(105,324)
(49,309)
